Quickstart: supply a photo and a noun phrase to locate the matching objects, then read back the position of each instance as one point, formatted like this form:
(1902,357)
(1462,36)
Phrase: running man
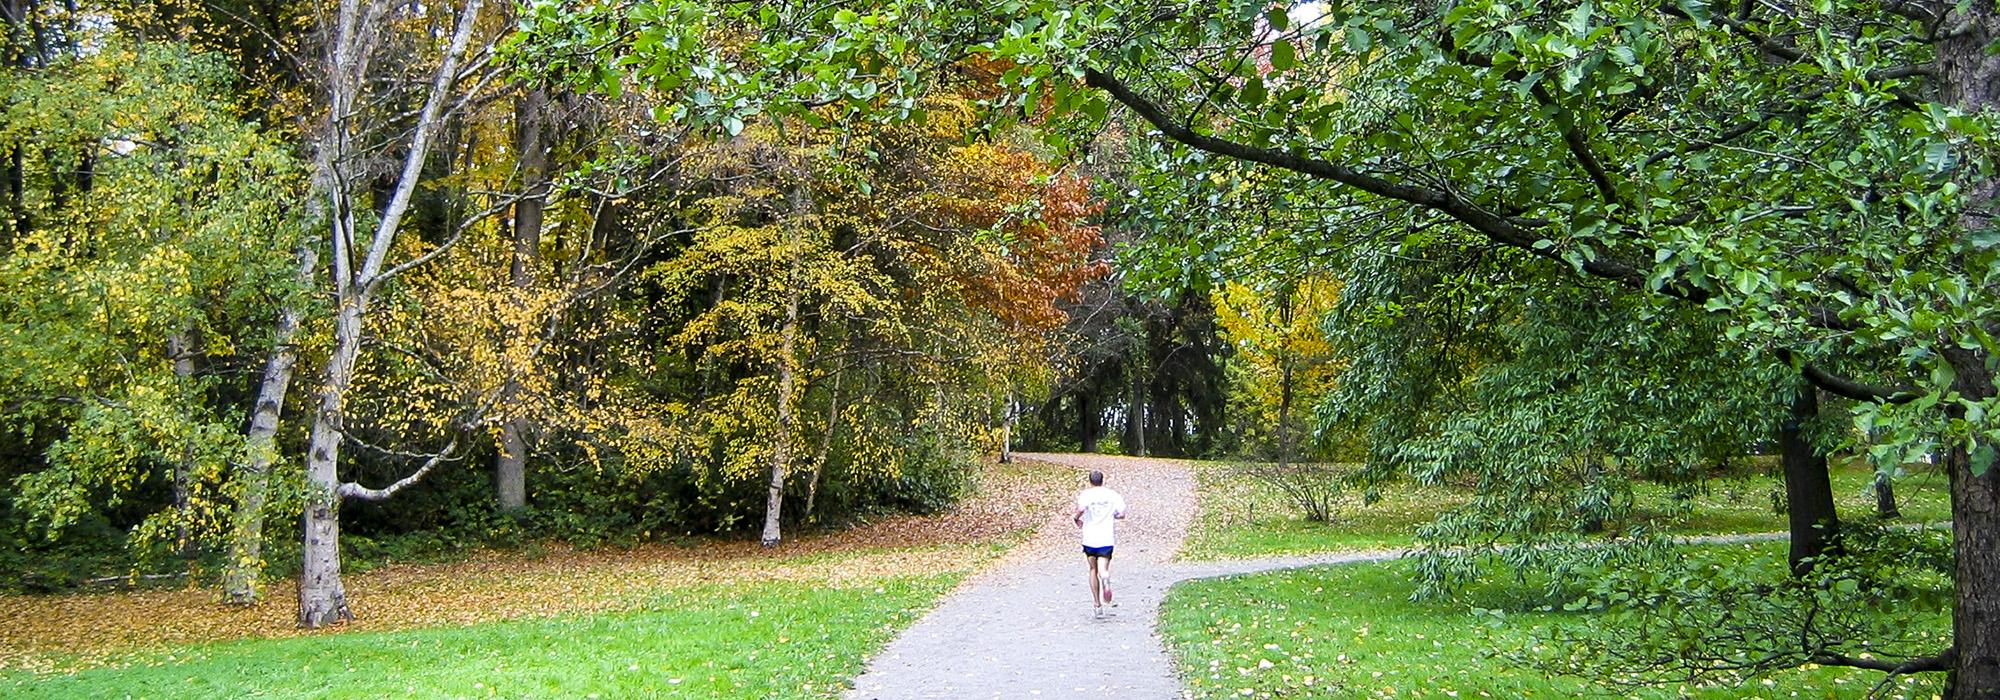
(1096,509)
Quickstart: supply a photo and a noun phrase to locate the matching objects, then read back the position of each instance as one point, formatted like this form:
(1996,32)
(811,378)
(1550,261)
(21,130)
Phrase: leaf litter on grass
(51,633)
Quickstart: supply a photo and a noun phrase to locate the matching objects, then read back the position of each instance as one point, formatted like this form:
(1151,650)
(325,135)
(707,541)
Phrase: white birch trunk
(781,448)
(244,569)
(322,595)
(180,347)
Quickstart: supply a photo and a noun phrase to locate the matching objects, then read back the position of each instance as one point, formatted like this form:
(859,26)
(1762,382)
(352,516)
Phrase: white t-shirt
(1100,506)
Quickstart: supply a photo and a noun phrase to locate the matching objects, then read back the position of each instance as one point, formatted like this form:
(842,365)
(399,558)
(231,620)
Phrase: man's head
(1097,478)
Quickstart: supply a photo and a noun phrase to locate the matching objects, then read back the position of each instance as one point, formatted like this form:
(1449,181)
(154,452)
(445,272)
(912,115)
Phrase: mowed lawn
(773,640)
(1352,632)
(1242,518)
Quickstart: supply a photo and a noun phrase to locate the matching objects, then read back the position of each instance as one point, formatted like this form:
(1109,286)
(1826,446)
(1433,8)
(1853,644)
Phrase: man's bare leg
(1095,599)
(1104,582)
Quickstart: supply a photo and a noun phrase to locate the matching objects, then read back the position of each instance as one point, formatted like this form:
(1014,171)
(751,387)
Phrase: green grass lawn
(1243,518)
(1352,632)
(773,640)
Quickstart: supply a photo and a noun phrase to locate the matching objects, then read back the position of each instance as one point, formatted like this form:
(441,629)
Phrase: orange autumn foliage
(1041,219)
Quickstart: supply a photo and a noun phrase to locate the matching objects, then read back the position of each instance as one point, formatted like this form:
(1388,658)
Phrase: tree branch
(1499,229)
(1848,388)
(1503,230)
(427,127)
(1939,662)
(354,490)
(1579,148)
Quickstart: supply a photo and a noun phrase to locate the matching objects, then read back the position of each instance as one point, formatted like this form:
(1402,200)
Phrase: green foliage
(777,640)
(1727,619)
(155,226)
(1583,402)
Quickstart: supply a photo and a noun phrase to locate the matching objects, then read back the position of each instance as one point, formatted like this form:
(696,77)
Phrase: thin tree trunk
(16,206)
(1285,411)
(245,567)
(15,173)
(1808,487)
(322,595)
(1086,422)
(781,448)
(180,347)
(510,472)
(1885,498)
(1011,409)
(825,446)
(1135,416)
(1593,473)
(1285,378)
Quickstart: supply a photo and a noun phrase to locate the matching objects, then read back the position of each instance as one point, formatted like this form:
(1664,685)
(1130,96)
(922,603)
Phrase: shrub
(1316,489)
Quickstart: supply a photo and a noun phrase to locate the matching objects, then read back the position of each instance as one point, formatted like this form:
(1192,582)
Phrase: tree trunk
(16,206)
(322,596)
(1011,409)
(1975,527)
(180,347)
(781,448)
(1808,487)
(245,566)
(510,467)
(1086,422)
(1285,411)
(1135,416)
(1592,513)
(1969,77)
(1885,498)
(825,446)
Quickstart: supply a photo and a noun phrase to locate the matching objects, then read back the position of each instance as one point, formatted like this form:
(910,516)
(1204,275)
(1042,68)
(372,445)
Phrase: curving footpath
(1023,628)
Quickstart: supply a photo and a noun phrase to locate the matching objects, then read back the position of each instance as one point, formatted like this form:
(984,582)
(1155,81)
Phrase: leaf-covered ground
(44,634)
(1242,518)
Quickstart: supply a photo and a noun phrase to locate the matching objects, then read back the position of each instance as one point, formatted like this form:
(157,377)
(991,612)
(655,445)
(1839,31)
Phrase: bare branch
(354,490)
(420,145)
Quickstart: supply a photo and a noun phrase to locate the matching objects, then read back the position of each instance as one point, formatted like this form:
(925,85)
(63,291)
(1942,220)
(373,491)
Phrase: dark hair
(1097,478)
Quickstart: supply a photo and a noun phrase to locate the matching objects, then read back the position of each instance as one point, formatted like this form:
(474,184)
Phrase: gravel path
(1024,629)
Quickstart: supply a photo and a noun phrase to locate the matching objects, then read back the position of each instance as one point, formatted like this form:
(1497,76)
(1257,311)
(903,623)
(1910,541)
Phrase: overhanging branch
(1501,229)
(1848,388)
